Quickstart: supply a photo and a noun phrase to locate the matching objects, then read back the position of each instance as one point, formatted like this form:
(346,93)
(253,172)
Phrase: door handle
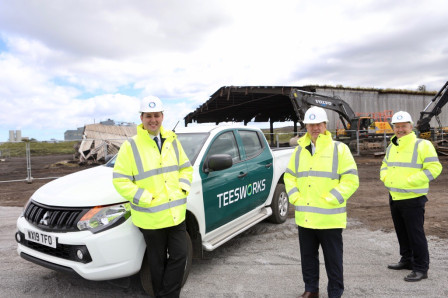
(242,175)
(268,165)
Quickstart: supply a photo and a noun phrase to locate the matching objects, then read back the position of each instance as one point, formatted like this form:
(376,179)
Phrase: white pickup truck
(79,223)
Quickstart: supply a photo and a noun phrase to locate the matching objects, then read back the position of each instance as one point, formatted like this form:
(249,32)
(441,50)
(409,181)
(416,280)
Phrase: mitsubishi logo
(45,218)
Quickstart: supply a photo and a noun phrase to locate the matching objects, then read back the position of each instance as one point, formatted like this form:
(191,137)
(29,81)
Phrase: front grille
(63,251)
(55,219)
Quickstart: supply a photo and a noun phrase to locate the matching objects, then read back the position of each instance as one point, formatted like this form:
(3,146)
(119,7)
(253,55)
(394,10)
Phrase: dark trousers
(167,255)
(332,247)
(409,217)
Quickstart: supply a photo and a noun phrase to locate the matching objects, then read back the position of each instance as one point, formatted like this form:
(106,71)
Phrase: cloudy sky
(64,64)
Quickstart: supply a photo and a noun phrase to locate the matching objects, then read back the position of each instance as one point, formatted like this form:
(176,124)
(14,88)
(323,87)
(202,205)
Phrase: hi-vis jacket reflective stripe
(319,185)
(156,184)
(409,166)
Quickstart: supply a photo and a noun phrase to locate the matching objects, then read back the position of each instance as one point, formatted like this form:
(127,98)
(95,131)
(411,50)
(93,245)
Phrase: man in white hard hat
(320,177)
(154,174)
(408,167)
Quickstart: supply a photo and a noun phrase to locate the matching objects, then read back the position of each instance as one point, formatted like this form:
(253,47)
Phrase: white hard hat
(315,115)
(151,104)
(400,117)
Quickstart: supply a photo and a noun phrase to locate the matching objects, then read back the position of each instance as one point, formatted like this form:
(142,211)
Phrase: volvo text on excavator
(363,128)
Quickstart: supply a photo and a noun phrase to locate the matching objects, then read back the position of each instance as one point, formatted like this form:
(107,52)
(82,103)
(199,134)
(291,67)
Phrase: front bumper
(114,253)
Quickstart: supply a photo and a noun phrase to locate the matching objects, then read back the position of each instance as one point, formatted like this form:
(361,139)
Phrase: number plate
(41,238)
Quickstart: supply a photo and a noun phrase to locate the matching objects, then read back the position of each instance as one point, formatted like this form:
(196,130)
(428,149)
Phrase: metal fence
(29,161)
(19,163)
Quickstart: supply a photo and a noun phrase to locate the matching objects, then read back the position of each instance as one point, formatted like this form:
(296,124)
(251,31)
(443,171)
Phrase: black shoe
(400,266)
(310,295)
(416,276)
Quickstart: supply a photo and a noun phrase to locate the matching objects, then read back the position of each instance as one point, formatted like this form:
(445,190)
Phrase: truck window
(225,144)
(251,143)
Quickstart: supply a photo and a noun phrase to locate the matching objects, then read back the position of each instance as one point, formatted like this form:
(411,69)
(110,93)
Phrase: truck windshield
(191,142)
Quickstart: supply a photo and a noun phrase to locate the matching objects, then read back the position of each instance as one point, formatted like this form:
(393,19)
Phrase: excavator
(433,109)
(355,127)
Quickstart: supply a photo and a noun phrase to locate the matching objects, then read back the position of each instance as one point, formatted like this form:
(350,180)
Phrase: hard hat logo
(401,116)
(315,115)
(151,104)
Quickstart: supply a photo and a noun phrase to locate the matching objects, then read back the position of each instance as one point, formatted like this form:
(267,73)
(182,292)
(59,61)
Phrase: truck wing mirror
(217,162)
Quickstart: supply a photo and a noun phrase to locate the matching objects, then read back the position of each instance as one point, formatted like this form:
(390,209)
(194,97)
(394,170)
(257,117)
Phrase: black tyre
(145,273)
(279,205)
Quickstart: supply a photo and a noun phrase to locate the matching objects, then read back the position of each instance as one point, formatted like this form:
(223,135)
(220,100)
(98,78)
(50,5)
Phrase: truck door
(258,159)
(224,192)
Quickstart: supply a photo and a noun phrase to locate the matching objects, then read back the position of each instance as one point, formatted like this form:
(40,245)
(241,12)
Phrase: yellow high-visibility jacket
(319,185)
(409,166)
(156,184)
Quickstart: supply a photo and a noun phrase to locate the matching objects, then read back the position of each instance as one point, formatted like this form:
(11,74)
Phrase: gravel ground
(262,262)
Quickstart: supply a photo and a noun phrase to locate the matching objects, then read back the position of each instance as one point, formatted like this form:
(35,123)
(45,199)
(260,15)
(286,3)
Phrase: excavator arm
(433,109)
(303,100)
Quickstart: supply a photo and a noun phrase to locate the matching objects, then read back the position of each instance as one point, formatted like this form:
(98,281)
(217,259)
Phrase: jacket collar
(322,139)
(165,134)
(404,141)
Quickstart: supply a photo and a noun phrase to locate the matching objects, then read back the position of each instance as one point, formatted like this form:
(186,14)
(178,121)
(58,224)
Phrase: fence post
(29,179)
(276,139)
(357,142)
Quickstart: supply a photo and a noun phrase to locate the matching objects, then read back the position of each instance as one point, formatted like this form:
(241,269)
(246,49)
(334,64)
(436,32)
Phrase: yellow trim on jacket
(155,183)
(408,167)
(319,185)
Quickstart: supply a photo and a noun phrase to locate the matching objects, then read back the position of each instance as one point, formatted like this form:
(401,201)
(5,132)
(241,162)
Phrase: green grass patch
(37,148)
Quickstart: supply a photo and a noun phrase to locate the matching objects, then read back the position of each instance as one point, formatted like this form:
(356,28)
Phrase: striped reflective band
(318,174)
(431,159)
(405,165)
(185,181)
(334,168)
(428,174)
(185,165)
(412,164)
(420,190)
(289,171)
(320,210)
(292,191)
(138,161)
(161,207)
(137,196)
(118,175)
(154,172)
(338,195)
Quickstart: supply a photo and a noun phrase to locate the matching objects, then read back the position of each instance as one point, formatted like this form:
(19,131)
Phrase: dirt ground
(369,204)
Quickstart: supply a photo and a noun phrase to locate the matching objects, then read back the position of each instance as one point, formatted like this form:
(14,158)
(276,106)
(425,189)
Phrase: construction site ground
(264,261)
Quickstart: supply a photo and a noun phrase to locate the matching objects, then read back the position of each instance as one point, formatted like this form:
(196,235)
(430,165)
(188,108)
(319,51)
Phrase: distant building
(74,135)
(108,122)
(15,136)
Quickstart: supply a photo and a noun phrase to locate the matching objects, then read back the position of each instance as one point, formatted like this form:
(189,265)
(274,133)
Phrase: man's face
(315,129)
(402,129)
(152,121)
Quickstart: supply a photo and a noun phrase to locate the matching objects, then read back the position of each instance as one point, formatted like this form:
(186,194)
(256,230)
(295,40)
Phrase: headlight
(101,218)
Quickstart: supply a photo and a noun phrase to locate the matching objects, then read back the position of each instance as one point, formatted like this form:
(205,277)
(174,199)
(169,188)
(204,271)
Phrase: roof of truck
(209,128)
